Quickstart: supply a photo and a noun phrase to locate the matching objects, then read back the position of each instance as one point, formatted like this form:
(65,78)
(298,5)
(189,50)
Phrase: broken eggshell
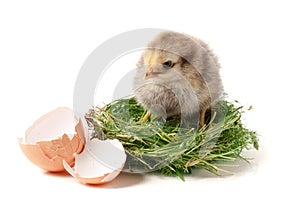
(100,162)
(54,137)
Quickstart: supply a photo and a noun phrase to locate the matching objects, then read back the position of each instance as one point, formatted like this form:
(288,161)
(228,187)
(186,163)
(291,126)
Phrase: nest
(166,146)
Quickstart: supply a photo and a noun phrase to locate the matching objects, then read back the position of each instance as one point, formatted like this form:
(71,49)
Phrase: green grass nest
(164,147)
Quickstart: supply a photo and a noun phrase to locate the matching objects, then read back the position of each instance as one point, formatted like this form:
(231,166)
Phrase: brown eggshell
(54,137)
(91,181)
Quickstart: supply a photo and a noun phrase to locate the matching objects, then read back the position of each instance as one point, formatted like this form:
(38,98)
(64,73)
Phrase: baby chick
(177,74)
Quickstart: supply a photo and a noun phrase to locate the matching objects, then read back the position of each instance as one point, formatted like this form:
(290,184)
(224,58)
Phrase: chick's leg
(202,117)
(145,118)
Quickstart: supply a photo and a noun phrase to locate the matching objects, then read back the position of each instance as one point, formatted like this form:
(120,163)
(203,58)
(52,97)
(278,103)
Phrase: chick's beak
(149,71)
(152,71)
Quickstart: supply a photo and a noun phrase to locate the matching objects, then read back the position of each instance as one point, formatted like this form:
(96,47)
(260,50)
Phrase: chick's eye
(168,64)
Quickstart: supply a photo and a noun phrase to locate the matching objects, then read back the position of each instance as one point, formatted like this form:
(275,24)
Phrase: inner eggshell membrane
(100,162)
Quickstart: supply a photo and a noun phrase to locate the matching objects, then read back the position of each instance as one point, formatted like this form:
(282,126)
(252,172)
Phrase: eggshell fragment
(54,137)
(100,162)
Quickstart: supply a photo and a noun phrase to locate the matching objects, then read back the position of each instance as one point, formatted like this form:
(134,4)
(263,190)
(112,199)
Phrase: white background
(43,45)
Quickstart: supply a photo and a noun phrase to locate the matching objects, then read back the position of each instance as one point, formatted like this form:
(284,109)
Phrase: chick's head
(160,64)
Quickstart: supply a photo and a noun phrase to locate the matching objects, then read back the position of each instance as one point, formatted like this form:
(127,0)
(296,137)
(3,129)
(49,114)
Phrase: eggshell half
(54,137)
(100,162)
